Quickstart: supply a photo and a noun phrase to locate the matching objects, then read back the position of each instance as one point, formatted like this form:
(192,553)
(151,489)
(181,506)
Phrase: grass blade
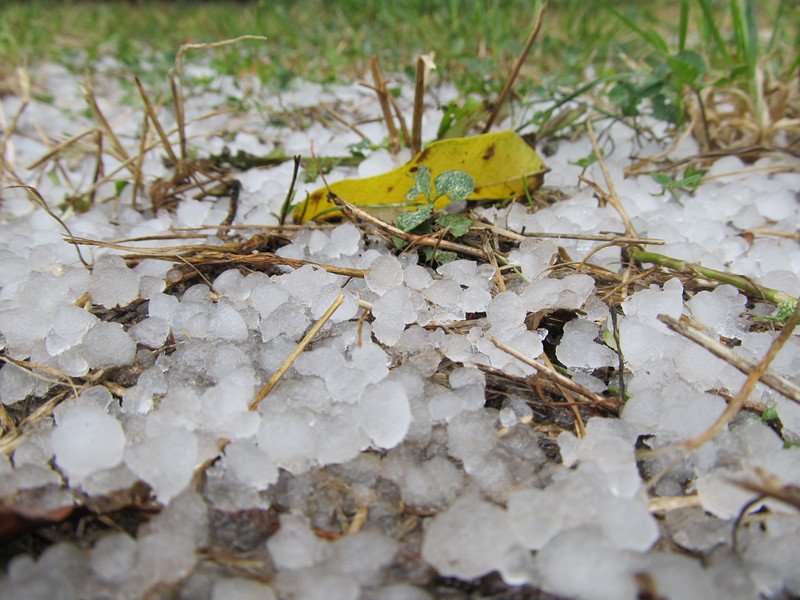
(776,23)
(713,31)
(651,37)
(745,31)
(684,25)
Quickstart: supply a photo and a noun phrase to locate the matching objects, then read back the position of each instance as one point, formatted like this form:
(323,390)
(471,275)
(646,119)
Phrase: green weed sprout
(456,186)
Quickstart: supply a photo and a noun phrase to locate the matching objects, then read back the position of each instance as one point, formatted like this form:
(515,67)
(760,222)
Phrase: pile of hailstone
(375,469)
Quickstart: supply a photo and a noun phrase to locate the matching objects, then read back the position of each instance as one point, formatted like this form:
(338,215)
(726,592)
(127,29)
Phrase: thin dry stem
(227,254)
(177,101)
(772,487)
(137,182)
(121,153)
(60,147)
(336,116)
(663,504)
(276,377)
(580,426)
(401,119)
(735,405)
(25,98)
(512,77)
(424,66)
(768,232)
(382,93)
(39,199)
(772,380)
(617,239)
(611,196)
(126,164)
(498,276)
(550,373)
(423,240)
(151,112)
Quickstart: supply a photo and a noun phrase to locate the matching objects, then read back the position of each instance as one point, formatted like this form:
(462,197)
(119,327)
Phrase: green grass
(619,57)
(325,40)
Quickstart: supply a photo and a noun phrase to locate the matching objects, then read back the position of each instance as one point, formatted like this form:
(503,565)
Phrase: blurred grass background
(475,40)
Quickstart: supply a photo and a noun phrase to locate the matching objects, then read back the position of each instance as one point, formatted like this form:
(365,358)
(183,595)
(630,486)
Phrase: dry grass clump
(728,118)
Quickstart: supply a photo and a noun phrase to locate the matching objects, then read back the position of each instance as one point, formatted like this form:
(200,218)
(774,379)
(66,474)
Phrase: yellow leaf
(501,164)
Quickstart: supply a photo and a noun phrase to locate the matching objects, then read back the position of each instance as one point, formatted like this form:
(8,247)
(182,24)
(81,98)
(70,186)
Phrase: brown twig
(401,119)
(60,147)
(497,276)
(537,26)
(126,164)
(276,377)
(550,373)
(290,192)
(122,154)
(772,487)
(137,181)
(580,426)
(99,168)
(227,254)
(179,99)
(380,90)
(25,98)
(423,240)
(180,119)
(617,239)
(336,116)
(611,196)
(770,379)
(424,65)
(39,199)
(735,405)
(151,112)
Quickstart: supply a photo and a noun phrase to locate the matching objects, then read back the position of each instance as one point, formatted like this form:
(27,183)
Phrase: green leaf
(586,161)
(664,109)
(785,310)
(683,26)
(422,184)
(458,119)
(399,242)
(608,337)
(687,67)
(625,97)
(663,179)
(458,224)
(119,185)
(359,149)
(769,415)
(456,185)
(441,256)
(692,178)
(648,35)
(412,219)
(712,30)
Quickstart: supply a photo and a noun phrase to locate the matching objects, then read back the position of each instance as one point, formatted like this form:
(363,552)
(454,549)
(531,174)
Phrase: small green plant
(688,182)
(459,118)
(728,58)
(671,71)
(781,315)
(770,415)
(456,186)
